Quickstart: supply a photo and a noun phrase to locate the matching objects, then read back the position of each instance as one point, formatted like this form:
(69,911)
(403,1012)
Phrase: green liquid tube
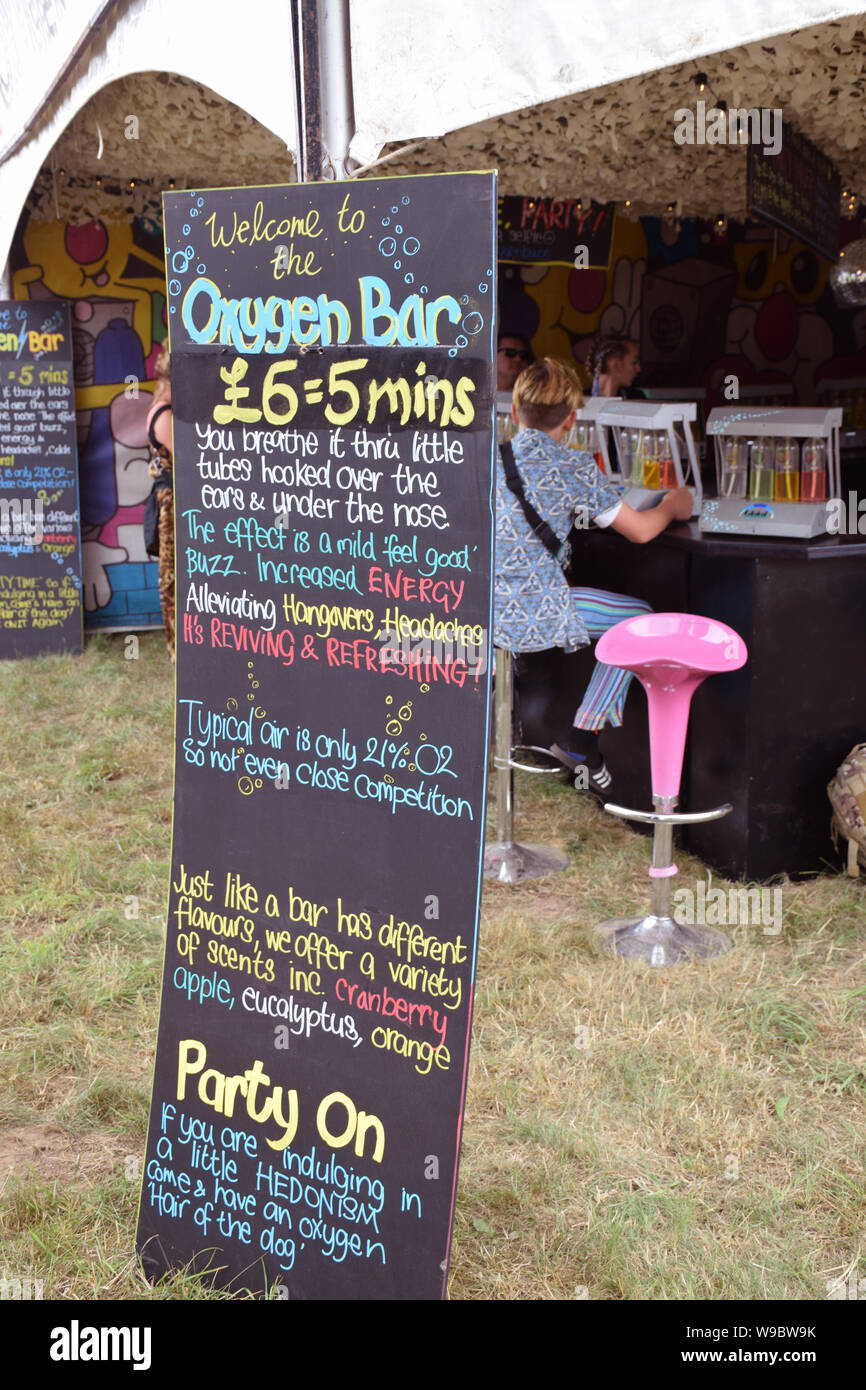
(761,484)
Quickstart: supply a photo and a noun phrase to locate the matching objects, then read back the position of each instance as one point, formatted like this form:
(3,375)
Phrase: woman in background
(161,468)
(614,363)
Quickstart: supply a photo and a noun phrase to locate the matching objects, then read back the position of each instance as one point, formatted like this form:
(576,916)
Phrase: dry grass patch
(630,1133)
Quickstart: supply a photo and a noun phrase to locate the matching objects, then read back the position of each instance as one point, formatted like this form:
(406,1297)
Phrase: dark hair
(521,337)
(607,350)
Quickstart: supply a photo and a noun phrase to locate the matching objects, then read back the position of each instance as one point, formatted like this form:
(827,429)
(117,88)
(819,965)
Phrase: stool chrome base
(512,863)
(659,940)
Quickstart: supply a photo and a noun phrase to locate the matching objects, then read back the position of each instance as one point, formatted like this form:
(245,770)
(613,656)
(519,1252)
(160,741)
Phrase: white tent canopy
(245,55)
(416,73)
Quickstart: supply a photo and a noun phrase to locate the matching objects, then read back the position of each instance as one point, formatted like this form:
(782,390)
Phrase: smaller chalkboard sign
(798,189)
(40,546)
(555,231)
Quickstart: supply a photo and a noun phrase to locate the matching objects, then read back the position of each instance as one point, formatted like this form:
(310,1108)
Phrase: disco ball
(848,276)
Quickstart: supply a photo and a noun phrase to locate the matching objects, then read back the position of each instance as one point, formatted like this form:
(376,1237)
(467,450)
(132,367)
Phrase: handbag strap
(513,481)
(153,419)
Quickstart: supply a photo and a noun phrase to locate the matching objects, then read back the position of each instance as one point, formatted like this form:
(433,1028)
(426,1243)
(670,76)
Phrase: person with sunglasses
(513,354)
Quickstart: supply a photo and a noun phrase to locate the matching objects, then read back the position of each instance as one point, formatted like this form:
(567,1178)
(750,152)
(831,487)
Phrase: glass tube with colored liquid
(667,467)
(505,428)
(622,447)
(761,471)
(595,446)
(813,471)
(637,457)
(734,476)
(651,471)
(734,467)
(787,478)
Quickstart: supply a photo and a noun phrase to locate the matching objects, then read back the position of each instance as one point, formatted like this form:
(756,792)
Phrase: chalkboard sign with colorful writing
(798,189)
(555,231)
(40,546)
(331,365)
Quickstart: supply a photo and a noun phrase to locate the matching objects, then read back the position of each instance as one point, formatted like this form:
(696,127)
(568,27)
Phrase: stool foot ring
(669,817)
(659,940)
(513,863)
(502,765)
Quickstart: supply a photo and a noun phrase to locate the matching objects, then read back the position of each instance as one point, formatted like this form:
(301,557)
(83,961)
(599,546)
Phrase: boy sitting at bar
(534,607)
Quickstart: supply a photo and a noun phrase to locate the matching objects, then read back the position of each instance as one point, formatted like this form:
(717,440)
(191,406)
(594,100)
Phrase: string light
(701,80)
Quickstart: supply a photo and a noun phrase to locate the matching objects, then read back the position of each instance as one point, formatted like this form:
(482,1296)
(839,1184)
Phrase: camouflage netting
(847,793)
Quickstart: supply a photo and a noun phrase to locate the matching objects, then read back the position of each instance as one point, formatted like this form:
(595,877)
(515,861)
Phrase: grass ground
(630,1133)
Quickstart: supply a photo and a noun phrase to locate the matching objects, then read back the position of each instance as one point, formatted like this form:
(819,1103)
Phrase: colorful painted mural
(114,276)
(704,303)
(747,302)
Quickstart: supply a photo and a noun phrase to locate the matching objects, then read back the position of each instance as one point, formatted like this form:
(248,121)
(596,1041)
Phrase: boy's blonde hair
(546,393)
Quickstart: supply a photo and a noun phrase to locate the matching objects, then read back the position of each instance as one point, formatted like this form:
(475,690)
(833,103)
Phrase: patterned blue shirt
(532,605)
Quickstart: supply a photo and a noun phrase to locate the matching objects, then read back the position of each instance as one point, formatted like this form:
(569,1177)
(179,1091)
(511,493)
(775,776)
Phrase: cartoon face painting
(114,275)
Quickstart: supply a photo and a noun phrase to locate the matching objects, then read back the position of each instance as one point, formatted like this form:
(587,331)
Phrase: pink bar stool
(670,653)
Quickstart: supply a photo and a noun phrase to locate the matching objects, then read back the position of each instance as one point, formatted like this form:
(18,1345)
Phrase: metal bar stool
(505,860)
(671,654)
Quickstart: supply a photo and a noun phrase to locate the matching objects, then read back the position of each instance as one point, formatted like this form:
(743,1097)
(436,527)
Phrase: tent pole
(323,72)
(338,109)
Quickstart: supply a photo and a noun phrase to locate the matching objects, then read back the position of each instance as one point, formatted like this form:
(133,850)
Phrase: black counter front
(767,738)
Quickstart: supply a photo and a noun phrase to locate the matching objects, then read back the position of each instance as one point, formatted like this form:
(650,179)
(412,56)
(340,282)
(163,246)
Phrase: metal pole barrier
(502,760)
(504,860)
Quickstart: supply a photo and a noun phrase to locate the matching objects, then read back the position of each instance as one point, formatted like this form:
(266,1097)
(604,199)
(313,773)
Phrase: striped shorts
(604,697)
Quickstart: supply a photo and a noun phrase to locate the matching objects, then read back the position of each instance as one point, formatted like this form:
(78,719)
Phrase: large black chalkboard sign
(550,231)
(332,398)
(798,189)
(40,546)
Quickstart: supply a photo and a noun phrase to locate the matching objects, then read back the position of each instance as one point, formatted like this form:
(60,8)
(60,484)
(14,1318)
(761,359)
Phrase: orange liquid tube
(668,473)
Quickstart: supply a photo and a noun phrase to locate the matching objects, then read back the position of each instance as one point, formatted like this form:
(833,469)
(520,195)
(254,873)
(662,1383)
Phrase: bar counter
(767,738)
